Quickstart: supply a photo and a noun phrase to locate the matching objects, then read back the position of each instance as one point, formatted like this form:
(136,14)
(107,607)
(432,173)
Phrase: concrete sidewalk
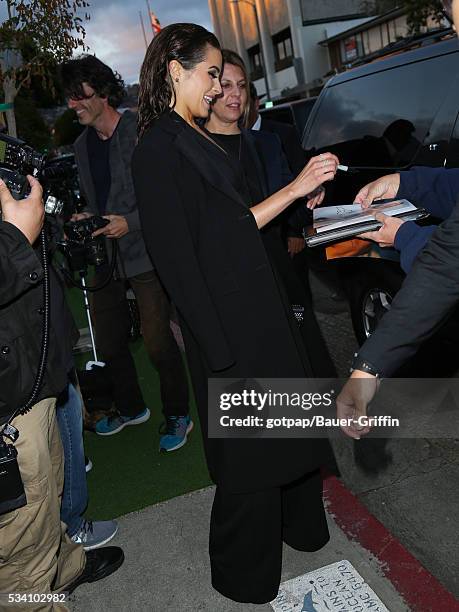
(167,566)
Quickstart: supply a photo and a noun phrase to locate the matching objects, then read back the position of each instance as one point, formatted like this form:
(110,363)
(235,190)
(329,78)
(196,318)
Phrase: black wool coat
(207,249)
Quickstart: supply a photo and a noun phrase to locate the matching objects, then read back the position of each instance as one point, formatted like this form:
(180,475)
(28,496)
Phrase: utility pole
(143,29)
(149,17)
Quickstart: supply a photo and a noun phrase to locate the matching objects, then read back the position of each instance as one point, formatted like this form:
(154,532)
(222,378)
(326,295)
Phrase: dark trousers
(247,531)
(112,325)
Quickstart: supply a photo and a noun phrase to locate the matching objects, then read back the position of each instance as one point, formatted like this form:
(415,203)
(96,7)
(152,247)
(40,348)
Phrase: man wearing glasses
(433,279)
(103,154)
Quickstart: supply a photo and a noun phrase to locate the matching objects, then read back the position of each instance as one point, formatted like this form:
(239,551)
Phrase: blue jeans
(69,412)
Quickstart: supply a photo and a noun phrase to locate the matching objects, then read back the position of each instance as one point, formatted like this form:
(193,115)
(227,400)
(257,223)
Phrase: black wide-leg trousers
(247,531)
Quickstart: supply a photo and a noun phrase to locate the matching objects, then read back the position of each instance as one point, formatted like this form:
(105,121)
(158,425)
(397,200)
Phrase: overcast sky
(114,33)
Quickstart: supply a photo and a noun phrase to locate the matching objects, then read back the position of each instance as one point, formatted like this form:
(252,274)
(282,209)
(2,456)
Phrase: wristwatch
(359,363)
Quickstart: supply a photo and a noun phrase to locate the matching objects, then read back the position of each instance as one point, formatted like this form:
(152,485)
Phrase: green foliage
(31,126)
(35,38)
(418,11)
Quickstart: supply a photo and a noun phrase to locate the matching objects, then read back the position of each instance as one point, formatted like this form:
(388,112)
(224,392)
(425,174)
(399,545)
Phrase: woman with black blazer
(265,170)
(205,242)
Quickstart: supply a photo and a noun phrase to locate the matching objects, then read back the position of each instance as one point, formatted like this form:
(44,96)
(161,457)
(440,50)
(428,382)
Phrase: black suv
(294,113)
(394,113)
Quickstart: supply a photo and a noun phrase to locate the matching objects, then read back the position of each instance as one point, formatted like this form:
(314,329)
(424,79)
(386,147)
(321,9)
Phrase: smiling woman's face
(229,107)
(197,88)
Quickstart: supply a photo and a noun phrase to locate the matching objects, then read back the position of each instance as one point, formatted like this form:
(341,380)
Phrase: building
(364,41)
(279,39)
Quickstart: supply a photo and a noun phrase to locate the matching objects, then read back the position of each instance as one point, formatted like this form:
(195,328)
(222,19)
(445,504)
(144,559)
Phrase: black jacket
(274,173)
(21,324)
(208,251)
(293,151)
(121,198)
(427,298)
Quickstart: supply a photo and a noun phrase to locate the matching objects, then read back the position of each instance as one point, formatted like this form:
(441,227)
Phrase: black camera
(17,160)
(12,494)
(80,248)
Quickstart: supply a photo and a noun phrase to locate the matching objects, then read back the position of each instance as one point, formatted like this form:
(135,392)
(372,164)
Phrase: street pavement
(411,486)
(167,566)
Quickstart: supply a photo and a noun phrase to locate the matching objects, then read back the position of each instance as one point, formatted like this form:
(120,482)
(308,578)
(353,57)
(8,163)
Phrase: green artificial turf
(128,471)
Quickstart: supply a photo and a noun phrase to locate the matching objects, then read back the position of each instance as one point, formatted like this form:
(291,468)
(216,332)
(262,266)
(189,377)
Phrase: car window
(381,120)
(302,112)
(284,115)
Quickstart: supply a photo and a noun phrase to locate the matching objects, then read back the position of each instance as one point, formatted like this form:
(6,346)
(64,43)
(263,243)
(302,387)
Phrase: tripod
(95,361)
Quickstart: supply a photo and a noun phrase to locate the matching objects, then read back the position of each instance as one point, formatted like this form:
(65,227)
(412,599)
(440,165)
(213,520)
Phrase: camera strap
(8,430)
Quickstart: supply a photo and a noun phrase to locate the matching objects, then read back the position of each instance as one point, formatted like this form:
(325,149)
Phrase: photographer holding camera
(103,154)
(36,555)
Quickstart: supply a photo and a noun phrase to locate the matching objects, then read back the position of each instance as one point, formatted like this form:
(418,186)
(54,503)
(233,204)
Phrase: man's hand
(352,402)
(117,227)
(295,245)
(385,236)
(28,214)
(383,188)
(80,216)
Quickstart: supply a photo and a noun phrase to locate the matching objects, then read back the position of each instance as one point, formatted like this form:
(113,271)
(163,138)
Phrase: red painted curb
(420,590)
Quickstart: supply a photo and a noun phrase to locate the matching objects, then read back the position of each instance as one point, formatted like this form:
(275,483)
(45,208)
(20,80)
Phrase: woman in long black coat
(265,170)
(204,240)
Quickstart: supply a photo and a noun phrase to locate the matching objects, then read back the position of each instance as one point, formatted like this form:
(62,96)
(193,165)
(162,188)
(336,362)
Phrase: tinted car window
(302,112)
(284,115)
(381,119)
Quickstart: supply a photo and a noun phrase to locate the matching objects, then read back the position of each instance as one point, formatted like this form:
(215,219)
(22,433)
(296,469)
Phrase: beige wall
(227,38)
(249,29)
(277,15)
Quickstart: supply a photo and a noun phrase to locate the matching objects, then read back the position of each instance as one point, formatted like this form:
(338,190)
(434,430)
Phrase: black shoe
(100,563)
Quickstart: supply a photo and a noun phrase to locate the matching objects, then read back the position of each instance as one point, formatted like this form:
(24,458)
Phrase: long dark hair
(184,42)
(89,69)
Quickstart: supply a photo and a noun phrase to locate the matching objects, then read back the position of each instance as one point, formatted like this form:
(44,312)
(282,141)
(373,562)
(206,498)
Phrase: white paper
(334,587)
(334,217)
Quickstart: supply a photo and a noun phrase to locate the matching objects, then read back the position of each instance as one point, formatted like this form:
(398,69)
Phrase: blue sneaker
(174,433)
(93,534)
(112,425)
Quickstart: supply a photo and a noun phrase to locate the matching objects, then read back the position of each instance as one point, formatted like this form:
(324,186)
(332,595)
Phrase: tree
(31,126)
(36,36)
(418,11)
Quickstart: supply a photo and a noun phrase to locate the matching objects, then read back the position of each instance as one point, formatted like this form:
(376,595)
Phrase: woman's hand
(316,197)
(317,171)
